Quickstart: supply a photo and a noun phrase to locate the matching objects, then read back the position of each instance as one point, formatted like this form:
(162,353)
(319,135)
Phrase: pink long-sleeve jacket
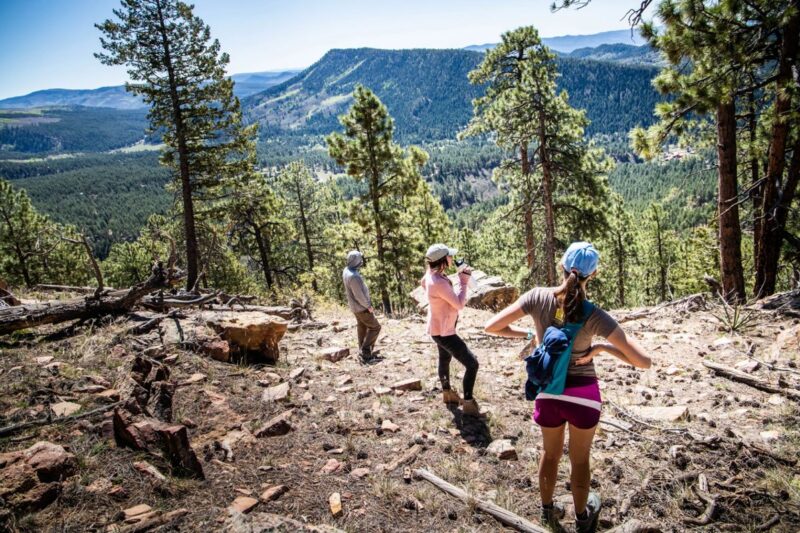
(443,302)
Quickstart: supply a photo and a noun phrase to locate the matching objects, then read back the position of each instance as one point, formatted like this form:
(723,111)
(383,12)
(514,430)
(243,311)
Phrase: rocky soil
(319,442)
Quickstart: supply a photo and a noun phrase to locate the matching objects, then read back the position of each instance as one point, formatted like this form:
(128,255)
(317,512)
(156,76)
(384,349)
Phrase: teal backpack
(547,365)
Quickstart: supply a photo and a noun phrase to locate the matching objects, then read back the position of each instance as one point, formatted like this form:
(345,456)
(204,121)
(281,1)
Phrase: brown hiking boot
(451,397)
(471,408)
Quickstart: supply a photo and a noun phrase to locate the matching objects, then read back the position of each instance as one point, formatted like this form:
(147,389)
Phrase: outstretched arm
(501,323)
(622,347)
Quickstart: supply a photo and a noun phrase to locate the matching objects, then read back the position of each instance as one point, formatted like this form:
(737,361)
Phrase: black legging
(452,346)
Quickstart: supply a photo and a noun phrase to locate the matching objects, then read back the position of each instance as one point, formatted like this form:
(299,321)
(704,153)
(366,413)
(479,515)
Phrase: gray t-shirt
(541,304)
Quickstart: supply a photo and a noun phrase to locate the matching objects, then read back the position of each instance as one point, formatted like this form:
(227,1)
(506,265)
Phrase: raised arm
(501,323)
(622,347)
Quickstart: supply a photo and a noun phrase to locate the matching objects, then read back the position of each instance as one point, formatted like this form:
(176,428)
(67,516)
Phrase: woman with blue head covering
(580,403)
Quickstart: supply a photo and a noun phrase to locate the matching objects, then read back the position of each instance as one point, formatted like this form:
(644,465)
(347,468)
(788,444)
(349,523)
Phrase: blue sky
(49,43)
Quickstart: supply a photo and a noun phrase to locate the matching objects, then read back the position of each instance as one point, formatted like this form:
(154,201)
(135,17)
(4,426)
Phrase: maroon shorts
(579,404)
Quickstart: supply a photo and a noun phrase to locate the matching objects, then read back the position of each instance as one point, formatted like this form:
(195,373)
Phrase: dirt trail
(347,424)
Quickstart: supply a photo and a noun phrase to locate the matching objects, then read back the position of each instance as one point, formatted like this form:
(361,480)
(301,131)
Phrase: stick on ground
(503,515)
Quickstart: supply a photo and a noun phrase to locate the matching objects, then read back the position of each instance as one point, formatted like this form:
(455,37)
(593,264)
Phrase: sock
(582,516)
(547,506)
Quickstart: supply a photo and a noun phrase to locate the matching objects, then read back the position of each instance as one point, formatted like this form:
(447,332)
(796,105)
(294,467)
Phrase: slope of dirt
(735,442)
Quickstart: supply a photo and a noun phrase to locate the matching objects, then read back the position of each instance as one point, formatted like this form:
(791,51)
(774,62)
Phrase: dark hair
(572,297)
(436,265)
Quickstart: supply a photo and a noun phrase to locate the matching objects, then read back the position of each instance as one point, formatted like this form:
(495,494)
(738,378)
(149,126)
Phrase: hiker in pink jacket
(443,307)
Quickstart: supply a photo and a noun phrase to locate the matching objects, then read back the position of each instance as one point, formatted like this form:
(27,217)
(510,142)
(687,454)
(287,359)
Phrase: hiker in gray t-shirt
(361,305)
(578,406)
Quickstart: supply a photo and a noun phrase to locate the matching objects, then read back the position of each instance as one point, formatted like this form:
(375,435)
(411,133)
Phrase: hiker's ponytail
(572,297)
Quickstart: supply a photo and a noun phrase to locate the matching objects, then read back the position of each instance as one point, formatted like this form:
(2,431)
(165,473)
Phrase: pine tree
(524,110)
(369,155)
(180,73)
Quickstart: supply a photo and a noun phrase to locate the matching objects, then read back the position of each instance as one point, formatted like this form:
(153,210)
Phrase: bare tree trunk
(547,197)
(730,232)
(263,253)
(306,236)
(662,262)
(374,191)
(530,251)
(183,161)
(770,234)
(620,269)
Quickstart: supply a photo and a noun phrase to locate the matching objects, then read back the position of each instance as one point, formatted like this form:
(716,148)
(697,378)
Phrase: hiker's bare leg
(553,444)
(580,445)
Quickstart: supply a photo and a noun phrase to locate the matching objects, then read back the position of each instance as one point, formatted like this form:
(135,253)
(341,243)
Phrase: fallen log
(503,515)
(159,303)
(747,379)
(111,303)
(10,430)
(45,287)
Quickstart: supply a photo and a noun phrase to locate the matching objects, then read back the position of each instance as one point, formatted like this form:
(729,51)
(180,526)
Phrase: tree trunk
(770,232)
(755,192)
(662,263)
(306,237)
(730,232)
(547,197)
(620,269)
(263,252)
(374,191)
(530,252)
(183,161)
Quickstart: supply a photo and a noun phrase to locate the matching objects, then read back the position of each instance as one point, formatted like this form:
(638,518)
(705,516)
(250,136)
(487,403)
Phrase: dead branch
(187,300)
(151,324)
(10,430)
(634,433)
(98,275)
(711,507)
(67,288)
(691,302)
(406,458)
(741,377)
(766,526)
(113,303)
(7,299)
(504,516)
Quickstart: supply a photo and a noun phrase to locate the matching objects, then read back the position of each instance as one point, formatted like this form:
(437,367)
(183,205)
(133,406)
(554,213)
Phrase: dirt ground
(735,442)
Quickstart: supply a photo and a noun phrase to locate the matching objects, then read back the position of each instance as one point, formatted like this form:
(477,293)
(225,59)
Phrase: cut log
(111,303)
(484,292)
(747,379)
(504,516)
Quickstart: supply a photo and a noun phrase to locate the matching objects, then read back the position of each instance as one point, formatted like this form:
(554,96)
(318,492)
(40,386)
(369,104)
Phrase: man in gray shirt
(361,305)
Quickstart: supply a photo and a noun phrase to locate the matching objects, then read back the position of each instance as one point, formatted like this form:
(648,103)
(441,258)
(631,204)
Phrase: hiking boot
(589,524)
(551,516)
(451,397)
(470,408)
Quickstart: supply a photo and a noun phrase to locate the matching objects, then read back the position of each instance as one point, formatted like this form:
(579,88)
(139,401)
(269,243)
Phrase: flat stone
(344,380)
(502,449)
(307,397)
(273,493)
(343,390)
(747,365)
(672,370)
(243,504)
(335,502)
(194,378)
(248,331)
(335,354)
(359,473)
(296,373)
(99,486)
(722,341)
(330,399)
(44,359)
(331,466)
(276,426)
(65,408)
(381,391)
(390,426)
(137,510)
(217,349)
(408,384)
(776,399)
(770,436)
(662,413)
(277,393)
(109,394)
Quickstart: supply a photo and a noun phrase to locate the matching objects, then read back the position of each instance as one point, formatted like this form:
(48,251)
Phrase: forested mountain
(429,96)
(118,98)
(568,43)
(70,129)
(619,53)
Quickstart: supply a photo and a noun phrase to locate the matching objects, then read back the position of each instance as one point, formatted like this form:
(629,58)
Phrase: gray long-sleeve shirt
(356,290)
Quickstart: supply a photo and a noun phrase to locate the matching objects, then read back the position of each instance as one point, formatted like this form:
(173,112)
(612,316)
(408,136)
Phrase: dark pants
(368,329)
(452,346)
